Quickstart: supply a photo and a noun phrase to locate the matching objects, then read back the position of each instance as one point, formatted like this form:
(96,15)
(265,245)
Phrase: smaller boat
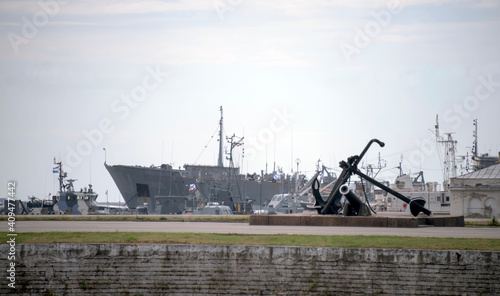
(284,204)
(70,202)
(212,208)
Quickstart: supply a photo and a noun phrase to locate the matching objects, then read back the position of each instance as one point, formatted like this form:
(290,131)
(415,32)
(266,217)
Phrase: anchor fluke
(417,206)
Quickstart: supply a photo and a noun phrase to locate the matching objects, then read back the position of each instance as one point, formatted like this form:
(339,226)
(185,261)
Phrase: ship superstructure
(167,190)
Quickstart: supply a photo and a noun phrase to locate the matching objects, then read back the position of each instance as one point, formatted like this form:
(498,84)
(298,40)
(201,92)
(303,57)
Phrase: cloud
(287,33)
(89,7)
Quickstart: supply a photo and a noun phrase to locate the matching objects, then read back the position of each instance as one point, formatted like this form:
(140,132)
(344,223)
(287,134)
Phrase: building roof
(491,172)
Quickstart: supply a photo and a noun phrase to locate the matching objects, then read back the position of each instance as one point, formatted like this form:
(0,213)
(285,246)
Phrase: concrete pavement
(245,228)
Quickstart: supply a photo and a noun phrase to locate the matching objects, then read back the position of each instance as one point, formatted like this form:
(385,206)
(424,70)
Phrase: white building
(477,193)
(438,202)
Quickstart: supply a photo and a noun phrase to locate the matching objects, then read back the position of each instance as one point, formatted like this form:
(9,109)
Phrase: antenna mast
(474,134)
(219,162)
(233,142)
(381,164)
(62,174)
(450,166)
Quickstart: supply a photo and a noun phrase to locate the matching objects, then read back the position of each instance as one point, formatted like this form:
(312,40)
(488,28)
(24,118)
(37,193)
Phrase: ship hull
(139,185)
(136,184)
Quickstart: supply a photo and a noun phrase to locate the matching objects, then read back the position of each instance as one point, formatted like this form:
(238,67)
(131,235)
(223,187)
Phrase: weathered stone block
(119,269)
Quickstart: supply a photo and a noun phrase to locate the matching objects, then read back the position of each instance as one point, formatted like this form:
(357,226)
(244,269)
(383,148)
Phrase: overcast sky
(310,79)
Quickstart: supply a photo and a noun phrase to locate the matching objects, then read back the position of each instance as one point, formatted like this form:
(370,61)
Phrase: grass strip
(344,241)
(183,218)
(172,218)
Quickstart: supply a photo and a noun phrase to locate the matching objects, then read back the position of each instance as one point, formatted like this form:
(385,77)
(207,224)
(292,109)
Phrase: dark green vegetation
(345,241)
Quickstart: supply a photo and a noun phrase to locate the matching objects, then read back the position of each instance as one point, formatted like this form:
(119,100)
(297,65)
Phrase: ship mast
(62,175)
(450,167)
(233,143)
(474,134)
(219,162)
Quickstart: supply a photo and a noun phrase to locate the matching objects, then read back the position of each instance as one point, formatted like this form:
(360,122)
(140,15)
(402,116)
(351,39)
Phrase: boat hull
(136,184)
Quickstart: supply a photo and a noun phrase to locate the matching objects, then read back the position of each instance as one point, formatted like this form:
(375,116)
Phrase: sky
(309,80)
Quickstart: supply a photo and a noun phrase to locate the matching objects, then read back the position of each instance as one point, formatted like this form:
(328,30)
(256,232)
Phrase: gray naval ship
(167,190)
(69,201)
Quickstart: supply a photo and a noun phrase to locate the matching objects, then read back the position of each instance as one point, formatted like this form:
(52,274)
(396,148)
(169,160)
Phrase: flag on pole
(192,187)
(55,170)
(276,177)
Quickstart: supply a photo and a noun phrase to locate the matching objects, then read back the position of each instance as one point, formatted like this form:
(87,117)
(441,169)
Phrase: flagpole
(54,179)
(53,183)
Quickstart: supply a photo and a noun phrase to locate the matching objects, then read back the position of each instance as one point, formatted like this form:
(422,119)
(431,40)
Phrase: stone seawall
(123,269)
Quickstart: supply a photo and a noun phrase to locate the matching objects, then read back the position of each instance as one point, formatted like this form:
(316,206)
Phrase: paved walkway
(245,228)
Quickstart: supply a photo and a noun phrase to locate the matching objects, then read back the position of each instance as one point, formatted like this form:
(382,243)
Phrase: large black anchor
(355,207)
